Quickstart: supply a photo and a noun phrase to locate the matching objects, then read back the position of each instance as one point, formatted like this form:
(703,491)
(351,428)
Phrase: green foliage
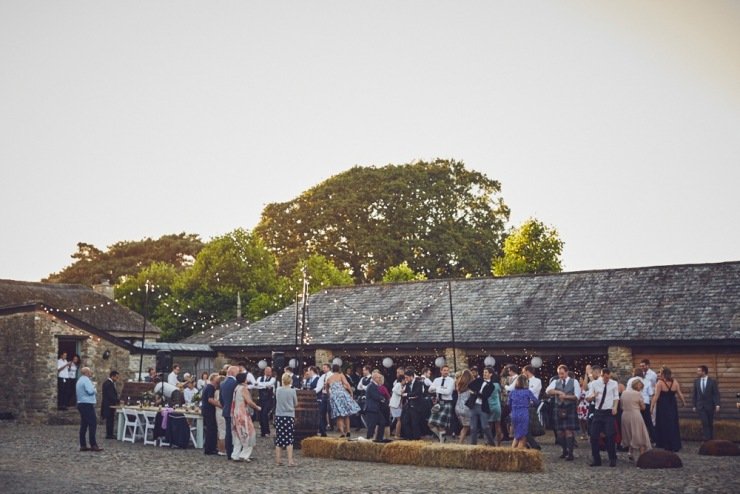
(402,272)
(321,273)
(441,218)
(131,292)
(206,293)
(92,265)
(531,248)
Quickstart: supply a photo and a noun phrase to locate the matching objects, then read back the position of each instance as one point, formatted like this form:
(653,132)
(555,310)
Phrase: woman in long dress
(242,429)
(494,403)
(340,400)
(634,432)
(463,412)
(665,408)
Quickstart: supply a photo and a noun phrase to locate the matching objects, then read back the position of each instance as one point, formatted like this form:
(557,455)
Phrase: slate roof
(675,304)
(76,300)
(177,347)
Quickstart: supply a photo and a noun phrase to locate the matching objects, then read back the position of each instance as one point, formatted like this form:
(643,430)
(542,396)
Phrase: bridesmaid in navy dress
(665,407)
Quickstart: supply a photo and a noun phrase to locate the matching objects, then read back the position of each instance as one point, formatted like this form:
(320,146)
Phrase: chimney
(104,288)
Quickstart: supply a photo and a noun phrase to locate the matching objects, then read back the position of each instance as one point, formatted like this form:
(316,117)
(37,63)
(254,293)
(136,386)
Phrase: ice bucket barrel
(306,416)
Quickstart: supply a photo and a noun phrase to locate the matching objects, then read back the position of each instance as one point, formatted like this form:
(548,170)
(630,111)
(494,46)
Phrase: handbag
(535,426)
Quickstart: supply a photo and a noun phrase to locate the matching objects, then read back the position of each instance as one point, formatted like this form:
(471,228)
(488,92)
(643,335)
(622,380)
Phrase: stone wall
(29,343)
(619,360)
(323,356)
(459,355)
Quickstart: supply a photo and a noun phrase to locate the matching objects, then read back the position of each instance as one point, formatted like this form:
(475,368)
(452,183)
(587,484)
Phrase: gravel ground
(41,459)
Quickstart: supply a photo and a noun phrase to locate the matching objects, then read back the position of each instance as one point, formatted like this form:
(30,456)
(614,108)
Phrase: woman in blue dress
(520,399)
(340,400)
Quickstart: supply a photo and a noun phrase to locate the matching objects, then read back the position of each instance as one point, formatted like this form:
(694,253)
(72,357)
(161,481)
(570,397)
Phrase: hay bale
(719,447)
(320,447)
(501,459)
(729,430)
(359,451)
(659,458)
(444,455)
(403,452)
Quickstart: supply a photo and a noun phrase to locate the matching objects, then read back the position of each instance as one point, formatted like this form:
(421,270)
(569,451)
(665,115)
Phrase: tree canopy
(532,248)
(439,217)
(126,258)
(402,272)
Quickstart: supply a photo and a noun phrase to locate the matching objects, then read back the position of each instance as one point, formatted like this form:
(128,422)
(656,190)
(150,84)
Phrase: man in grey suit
(706,400)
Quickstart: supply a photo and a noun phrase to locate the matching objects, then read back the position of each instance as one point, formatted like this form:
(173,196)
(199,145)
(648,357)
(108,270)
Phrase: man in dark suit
(209,406)
(706,400)
(226,397)
(480,390)
(110,399)
(374,413)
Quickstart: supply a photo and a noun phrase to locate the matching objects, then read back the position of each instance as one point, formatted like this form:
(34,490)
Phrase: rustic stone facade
(620,362)
(461,357)
(323,356)
(29,342)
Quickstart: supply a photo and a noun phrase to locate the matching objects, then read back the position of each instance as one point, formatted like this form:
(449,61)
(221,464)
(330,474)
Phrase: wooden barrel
(306,416)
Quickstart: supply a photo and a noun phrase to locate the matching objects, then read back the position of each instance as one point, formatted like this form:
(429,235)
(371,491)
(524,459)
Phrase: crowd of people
(513,405)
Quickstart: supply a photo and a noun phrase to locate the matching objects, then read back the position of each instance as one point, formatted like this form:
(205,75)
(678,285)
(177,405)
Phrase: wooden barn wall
(724,366)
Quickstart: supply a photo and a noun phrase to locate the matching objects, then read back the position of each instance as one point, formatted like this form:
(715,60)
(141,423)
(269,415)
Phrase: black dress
(667,433)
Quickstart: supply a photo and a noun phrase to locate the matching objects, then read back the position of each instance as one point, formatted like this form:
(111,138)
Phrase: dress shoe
(613,463)
(569,457)
(323,434)
(96,448)
(84,448)
(594,464)
(110,437)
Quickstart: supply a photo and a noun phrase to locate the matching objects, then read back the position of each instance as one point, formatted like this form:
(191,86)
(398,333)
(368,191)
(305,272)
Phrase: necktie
(703,384)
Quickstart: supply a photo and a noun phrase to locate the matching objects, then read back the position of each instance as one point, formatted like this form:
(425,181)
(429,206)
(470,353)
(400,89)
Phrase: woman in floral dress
(242,428)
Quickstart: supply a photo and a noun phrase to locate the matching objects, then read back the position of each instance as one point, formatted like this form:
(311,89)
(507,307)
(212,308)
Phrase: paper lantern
(536,362)
(387,362)
(262,364)
(489,361)
(293,363)
(337,361)
(439,362)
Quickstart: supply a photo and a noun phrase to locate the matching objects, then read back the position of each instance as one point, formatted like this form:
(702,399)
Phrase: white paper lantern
(439,362)
(387,362)
(337,361)
(262,364)
(536,362)
(293,363)
(489,361)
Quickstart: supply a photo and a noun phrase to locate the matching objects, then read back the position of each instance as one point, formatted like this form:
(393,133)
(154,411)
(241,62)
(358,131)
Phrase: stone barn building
(37,320)
(680,316)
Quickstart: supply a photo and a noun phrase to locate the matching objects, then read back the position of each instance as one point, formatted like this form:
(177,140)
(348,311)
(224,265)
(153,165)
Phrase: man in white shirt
(439,420)
(605,393)
(650,379)
(62,377)
(266,389)
(566,391)
(323,398)
(172,377)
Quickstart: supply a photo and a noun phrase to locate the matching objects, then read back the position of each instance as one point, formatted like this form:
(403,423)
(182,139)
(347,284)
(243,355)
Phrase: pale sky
(618,123)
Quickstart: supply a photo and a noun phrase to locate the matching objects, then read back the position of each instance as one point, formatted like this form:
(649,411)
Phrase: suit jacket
(110,396)
(709,398)
(475,393)
(373,397)
(415,394)
(226,396)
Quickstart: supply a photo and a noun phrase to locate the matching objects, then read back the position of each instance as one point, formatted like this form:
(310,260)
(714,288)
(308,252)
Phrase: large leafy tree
(205,294)
(126,258)
(440,217)
(145,291)
(532,248)
(320,273)
(402,272)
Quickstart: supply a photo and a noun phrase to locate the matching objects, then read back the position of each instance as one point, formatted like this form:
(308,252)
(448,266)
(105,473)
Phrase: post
(452,327)
(143,331)
(303,321)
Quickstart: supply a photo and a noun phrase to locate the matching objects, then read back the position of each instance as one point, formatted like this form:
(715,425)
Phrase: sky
(617,123)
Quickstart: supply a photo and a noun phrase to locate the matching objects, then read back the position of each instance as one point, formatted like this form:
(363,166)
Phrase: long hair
(464,381)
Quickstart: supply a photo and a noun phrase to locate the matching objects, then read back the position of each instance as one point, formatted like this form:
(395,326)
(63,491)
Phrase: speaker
(164,361)
(278,362)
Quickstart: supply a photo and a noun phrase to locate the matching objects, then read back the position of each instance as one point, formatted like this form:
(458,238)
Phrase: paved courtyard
(45,459)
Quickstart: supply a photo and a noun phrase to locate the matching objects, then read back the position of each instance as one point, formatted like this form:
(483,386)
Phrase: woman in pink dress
(634,433)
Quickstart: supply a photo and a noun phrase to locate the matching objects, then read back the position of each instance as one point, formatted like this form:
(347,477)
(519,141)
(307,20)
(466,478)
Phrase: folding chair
(131,426)
(147,421)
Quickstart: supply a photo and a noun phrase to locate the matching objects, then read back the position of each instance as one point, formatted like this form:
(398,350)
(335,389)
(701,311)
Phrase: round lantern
(387,362)
(489,361)
(337,361)
(293,363)
(439,362)
(262,364)
(536,362)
